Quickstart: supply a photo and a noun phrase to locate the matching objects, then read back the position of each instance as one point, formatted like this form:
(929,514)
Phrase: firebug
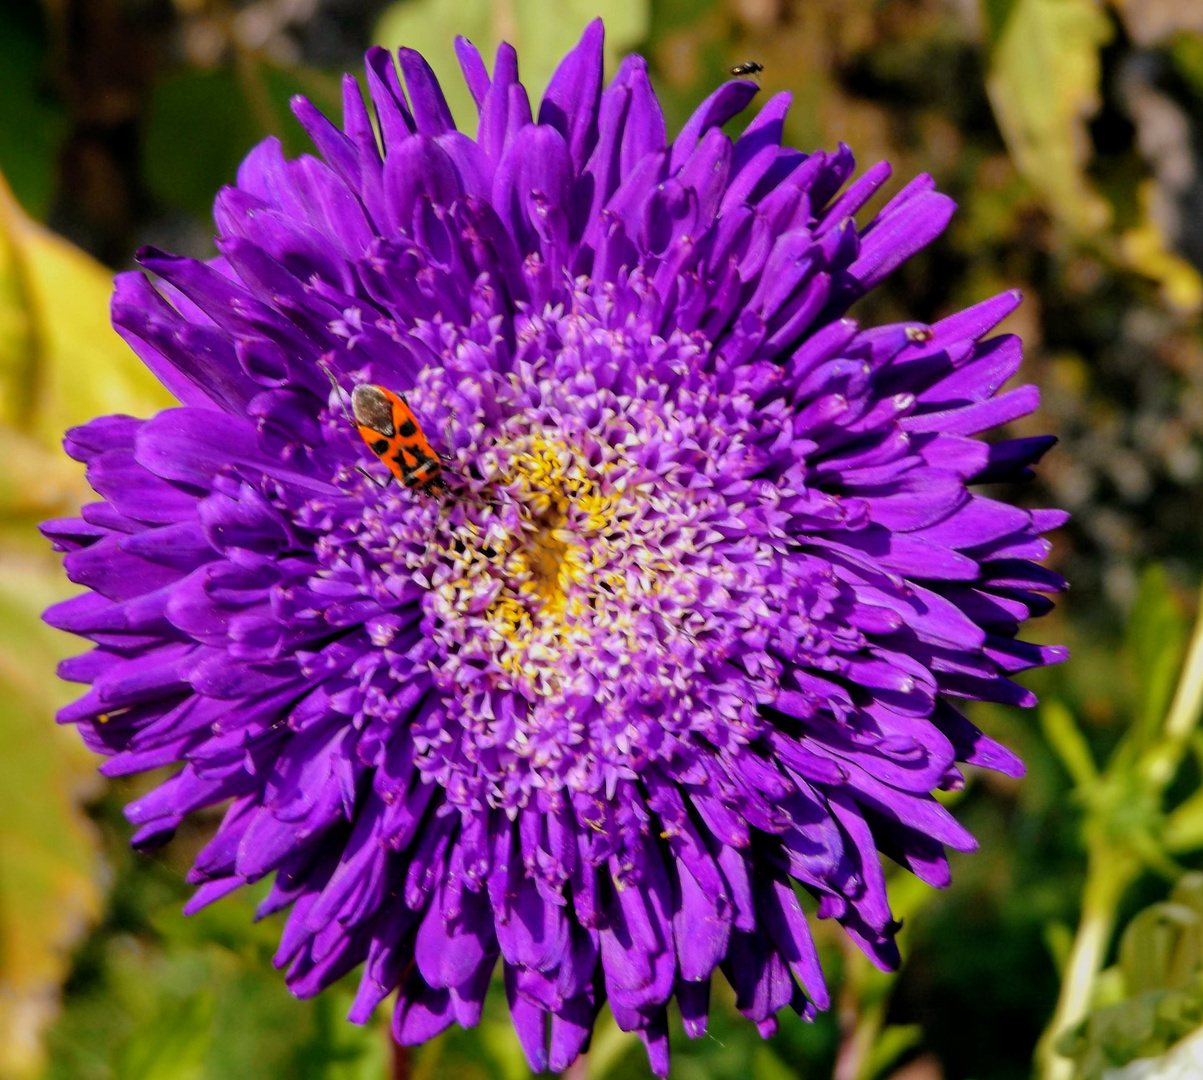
(387,424)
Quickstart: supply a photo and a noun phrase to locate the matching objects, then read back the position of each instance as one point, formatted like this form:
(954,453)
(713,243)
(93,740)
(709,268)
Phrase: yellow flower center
(536,581)
(547,480)
(551,573)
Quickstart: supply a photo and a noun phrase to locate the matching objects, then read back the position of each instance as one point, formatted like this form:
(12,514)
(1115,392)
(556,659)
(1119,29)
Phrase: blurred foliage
(1044,85)
(157,996)
(1068,130)
(1129,826)
(541,30)
(27,149)
(189,157)
(1160,974)
(53,304)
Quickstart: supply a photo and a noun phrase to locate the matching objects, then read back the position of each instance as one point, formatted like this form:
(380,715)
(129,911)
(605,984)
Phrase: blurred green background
(1069,133)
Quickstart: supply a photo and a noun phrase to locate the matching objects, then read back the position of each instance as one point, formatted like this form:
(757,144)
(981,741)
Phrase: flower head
(681,630)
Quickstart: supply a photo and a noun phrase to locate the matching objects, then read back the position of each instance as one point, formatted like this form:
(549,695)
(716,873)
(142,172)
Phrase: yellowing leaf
(60,364)
(1044,85)
(1146,251)
(48,860)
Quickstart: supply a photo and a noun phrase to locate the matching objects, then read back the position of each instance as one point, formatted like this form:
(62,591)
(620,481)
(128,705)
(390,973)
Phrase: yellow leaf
(1146,251)
(49,865)
(1044,85)
(61,362)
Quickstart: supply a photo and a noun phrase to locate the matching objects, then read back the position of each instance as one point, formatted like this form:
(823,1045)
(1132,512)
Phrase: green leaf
(1179,1062)
(1162,948)
(1184,826)
(1161,962)
(1156,639)
(1043,85)
(541,30)
(1142,1027)
(1064,736)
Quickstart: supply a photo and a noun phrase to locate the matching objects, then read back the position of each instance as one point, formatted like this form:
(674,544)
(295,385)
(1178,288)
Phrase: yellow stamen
(550,571)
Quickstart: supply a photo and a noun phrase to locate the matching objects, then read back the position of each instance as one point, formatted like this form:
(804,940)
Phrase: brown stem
(848,1059)
(402,1063)
(578,1070)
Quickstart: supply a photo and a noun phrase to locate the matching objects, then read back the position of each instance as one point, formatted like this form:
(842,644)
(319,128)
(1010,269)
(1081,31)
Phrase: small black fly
(743,71)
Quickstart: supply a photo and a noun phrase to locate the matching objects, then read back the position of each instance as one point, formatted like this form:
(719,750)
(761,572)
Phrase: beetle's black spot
(407,430)
(379,447)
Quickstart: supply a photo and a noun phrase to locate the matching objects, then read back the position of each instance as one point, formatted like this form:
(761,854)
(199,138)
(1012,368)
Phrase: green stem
(1111,868)
(1108,874)
(862,1007)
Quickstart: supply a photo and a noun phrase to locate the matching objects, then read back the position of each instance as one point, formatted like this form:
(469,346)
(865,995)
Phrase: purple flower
(682,633)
